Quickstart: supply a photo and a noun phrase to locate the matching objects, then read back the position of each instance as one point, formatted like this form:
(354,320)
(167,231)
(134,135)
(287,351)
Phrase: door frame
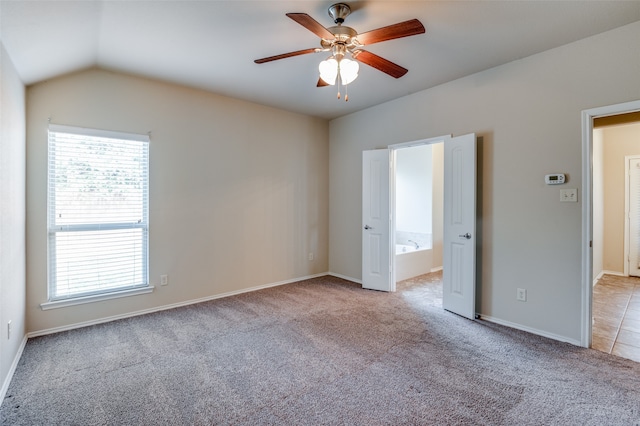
(587,220)
(627,208)
(392,195)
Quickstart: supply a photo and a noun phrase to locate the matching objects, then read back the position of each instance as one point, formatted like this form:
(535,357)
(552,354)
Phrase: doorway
(459,221)
(593,213)
(616,201)
(418,224)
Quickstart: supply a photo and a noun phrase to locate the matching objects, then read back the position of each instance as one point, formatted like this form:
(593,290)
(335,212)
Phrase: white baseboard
(14,365)
(616,273)
(436,269)
(344,277)
(531,330)
(603,273)
(166,307)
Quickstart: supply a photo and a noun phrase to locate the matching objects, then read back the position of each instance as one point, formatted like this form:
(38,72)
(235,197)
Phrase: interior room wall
(12,216)
(618,142)
(528,113)
(238,191)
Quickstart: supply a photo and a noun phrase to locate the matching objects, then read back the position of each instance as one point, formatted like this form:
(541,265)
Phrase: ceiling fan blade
(321,83)
(379,63)
(312,25)
(284,55)
(399,30)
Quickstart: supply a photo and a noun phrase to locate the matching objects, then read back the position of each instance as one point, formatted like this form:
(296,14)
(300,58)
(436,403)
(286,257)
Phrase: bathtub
(412,261)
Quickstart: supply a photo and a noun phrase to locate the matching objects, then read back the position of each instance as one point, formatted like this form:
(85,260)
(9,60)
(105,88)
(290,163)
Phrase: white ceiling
(211,44)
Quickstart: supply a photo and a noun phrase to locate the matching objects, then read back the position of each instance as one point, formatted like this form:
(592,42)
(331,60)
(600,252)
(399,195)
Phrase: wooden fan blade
(284,55)
(402,29)
(312,25)
(321,83)
(379,63)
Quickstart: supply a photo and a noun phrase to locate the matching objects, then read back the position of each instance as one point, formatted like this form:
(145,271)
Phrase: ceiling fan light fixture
(330,69)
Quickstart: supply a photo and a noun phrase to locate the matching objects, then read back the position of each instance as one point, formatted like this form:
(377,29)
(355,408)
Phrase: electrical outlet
(9,330)
(521,295)
(569,195)
(164,280)
(310,256)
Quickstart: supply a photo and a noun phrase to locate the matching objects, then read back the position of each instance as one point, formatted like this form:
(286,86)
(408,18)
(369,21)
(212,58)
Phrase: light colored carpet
(322,351)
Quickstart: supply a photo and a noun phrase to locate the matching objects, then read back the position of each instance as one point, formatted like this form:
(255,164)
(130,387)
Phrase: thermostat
(554,179)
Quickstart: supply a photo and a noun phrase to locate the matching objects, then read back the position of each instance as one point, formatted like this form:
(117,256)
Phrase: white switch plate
(569,195)
(164,280)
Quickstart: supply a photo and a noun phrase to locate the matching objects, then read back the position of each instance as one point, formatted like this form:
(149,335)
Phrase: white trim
(436,269)
(596,279)
(627,208)
(166,307)
(615,273)
(12,369)
(63,303)
(344,277)
(420,142)
(530,330)
(587,221)
(603,273)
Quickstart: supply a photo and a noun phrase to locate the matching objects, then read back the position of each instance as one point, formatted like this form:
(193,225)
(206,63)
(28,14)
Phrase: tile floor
(616,316)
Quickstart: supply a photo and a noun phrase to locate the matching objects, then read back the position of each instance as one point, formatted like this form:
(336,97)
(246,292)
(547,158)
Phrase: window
(98,216)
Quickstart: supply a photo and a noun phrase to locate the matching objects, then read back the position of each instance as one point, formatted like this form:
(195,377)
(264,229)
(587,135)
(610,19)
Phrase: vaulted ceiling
(211,45)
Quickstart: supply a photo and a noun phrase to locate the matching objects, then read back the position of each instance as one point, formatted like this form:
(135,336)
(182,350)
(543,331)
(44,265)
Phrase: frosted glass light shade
(347,68)
(329,71)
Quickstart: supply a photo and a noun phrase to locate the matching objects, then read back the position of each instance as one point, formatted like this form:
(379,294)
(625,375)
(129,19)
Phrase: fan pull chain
(346,89)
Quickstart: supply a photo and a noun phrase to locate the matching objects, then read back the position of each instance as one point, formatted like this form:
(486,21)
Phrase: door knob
(467,236)
(367,227)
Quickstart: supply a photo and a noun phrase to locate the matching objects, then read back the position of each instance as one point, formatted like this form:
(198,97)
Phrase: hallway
(616,316)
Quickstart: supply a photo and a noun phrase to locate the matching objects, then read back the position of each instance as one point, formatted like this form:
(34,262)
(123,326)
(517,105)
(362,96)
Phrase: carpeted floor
(321,351)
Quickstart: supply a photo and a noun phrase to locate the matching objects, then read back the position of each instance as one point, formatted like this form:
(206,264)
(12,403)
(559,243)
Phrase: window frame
(54,301)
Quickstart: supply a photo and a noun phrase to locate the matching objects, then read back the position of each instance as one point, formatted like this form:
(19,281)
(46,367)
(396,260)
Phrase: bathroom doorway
(418,219)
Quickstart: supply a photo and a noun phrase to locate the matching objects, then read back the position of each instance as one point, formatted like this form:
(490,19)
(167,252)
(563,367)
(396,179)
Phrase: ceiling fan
(341,40)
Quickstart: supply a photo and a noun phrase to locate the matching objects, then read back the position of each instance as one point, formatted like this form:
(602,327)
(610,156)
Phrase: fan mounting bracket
(338,12)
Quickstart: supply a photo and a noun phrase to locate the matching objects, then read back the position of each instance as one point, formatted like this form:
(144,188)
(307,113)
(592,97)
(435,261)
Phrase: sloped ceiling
(211,45)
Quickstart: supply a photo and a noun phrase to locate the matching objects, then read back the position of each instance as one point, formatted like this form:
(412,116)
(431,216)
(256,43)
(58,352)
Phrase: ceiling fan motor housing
(338,12)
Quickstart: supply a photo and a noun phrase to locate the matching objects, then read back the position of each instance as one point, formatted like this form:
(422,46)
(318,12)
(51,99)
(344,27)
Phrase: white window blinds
(98,214)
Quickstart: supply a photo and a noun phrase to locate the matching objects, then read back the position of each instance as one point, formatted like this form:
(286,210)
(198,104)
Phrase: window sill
(94,298)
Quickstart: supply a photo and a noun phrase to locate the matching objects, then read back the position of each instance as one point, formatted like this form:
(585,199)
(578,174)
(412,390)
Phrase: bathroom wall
(414,192)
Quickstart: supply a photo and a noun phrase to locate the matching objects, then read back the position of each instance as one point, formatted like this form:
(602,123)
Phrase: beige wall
(238,191)
(528,113)
(12,215)
(618,142)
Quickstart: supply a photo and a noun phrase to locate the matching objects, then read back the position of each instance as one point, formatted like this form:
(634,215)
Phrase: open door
(377,268)
(459,251)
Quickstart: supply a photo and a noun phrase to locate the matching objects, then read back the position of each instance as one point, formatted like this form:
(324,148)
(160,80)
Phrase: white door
(376,217)
(634,216)
(459,252)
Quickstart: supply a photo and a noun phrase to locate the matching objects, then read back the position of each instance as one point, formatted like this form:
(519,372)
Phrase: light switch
(569,195)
